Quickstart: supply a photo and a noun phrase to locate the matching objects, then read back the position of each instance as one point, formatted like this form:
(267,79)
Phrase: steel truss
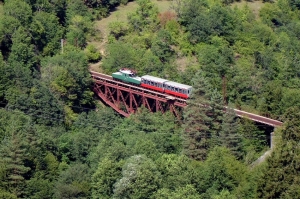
(126,98)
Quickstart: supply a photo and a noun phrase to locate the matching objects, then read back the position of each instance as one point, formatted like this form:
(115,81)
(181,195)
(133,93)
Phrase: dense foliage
(58,142)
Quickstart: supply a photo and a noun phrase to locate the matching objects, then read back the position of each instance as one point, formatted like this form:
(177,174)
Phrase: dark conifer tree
(229,137)
(202,119)
(216,112)
(12,156)
(281,179)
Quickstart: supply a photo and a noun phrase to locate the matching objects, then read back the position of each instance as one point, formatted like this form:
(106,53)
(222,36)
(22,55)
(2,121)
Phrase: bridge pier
(272,141)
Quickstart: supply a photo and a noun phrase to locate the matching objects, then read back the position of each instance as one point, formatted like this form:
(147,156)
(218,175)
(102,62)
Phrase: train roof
(156,79)
(126,71)
(178,85)
(133,77)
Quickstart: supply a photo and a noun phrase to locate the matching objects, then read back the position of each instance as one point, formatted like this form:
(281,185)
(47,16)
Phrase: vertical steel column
(118,97)
(105,91)
(130,102)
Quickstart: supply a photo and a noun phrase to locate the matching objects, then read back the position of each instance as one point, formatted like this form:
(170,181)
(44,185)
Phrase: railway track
(182,102)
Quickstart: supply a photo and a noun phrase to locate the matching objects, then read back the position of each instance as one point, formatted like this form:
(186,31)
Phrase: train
(153,83)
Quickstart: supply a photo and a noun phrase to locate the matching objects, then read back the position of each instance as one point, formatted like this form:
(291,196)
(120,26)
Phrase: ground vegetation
(58,141)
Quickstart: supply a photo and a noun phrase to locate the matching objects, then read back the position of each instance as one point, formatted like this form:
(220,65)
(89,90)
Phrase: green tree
(8,26)
(92,53)
(13,155)
(276,15)
(73,183)
(218,21)
(161,46)
(68,78)
(253,139)
(216,61)
(76,8)
(150,64)
(4,79)
(176,171)
(202,118)
(196,123)
(118,29)
(22,50)
(188,192)
(39,188)
(6,195)
(107,173)
(140,178)
(37,101)
(46,32)
(189,10)
(271,104)
(77,31)
(221,171)
(229,136)
(281,178)
(20,10)
(216,112)
(121,55)
(145,16)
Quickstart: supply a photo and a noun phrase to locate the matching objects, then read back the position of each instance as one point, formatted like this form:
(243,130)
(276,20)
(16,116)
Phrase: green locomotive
(127,76)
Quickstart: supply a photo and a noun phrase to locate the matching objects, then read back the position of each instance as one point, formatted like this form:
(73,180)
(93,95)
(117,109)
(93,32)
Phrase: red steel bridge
(127,98)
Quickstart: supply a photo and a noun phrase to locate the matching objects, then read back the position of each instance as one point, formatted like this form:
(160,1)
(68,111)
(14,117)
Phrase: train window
(180,91)
(176,89)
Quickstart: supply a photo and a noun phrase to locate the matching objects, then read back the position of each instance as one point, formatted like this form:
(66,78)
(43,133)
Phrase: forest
(58,141)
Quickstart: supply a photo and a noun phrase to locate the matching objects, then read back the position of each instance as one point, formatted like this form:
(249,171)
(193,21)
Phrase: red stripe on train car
(176,94)
(152,87)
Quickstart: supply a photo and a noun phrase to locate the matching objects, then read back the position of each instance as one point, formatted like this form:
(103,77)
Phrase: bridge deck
(98,77)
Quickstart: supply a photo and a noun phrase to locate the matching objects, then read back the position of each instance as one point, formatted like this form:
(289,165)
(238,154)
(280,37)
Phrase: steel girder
(126,99)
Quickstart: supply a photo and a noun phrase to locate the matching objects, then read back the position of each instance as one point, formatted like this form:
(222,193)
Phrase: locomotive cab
(127,76)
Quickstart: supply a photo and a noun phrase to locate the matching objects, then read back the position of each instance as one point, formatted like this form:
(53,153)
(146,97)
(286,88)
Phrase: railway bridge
(126,99)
